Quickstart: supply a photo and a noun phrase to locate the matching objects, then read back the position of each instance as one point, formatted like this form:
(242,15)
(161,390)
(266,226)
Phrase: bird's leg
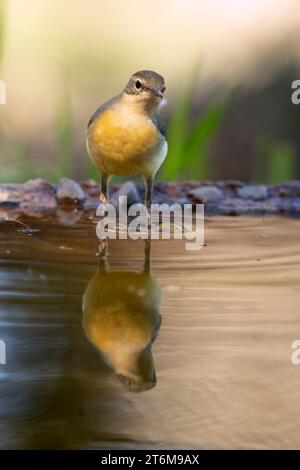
(104,189)
(103,244)
(103,255)
(147,253)
(148,197)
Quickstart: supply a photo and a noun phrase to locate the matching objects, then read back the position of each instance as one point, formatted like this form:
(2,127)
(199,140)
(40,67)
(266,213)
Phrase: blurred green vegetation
(22,166)
(274,162)
(64,135)
(190,143)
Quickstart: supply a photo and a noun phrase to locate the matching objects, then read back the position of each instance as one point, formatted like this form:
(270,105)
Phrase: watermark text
(296,94)
(2,352)
(295,357)
(161,222)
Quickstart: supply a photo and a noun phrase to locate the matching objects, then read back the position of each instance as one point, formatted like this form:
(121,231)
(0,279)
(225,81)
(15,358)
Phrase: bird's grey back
(160,124)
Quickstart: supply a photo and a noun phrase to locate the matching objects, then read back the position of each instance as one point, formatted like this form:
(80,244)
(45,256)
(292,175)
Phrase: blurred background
(229,66)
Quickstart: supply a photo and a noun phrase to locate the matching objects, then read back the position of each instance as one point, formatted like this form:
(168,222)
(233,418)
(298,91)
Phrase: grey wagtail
(126,136)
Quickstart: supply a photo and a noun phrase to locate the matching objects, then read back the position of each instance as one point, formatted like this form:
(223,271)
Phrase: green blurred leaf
(198,142)
(20,165)
(64,135)
(283,163)
(177,135)
(189,149)
(274,161)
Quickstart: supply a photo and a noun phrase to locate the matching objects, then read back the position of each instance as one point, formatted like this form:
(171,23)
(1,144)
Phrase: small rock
(290,189)
(233,184)
(37,195)
(129,190)
(68,217)
(182,201)
(256,192)
(68,189)
(173,191)
(206,194)
(296,206)
(90,183)
(4,195)
(10,193)
(37,184)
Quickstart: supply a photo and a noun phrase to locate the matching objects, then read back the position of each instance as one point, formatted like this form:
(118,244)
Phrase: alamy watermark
(295,357)
(296,94)
(2,92)
(161,222)
(2,352)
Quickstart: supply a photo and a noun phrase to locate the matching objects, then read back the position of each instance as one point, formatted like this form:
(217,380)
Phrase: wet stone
(10,194)
(68,189)
(130,191)
(37,195)
(256,192)
(37,185)
(173,190)
(90,183)
(206,194)
(69,217)
(232,184)
(290,189)
(296,206)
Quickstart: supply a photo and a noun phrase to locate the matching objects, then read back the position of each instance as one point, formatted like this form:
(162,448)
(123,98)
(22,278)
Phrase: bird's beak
(158,93)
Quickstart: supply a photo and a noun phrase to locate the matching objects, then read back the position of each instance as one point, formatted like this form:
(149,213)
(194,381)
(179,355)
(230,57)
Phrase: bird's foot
(103,198)
(103,206)
(103,248)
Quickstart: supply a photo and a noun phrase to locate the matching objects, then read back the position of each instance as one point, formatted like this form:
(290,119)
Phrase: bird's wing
(160,124)
(104,107)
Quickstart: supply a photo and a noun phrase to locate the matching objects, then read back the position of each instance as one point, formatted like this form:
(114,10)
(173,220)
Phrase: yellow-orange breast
(124,142)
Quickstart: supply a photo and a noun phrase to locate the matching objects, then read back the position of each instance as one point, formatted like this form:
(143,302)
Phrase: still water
(193,351)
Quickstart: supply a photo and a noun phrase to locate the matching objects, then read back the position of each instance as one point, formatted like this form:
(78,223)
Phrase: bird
(127,137)
(123,324)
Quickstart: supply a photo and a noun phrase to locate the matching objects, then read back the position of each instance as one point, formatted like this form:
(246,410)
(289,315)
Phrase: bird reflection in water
(121,318)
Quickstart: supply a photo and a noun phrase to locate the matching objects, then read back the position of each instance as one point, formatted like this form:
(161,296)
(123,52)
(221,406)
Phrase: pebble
(37,184)
(129,190)
(68,217)
(37,196)
(68,189)
(256,192)
(206,194)
(10,193)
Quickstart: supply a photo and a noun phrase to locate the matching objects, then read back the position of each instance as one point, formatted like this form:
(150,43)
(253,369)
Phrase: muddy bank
(38,196)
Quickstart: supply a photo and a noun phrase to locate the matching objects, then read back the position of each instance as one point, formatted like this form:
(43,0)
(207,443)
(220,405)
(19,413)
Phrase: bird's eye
(138,85)
(163,89)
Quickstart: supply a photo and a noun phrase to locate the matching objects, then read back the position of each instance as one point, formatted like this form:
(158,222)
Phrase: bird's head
(146,89)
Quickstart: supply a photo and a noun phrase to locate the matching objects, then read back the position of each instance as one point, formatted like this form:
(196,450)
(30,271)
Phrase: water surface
(220,323)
